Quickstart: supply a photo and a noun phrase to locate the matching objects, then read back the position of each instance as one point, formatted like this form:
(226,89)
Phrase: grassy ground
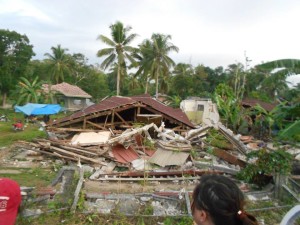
(9,136)
(28,177)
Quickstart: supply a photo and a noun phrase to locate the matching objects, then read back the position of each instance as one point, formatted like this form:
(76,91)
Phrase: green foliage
(178,221)
(15,53)
(155,61)
(119,49)
(291,132)
(229,107)
(81,200)
(267,163)
(174,101)
(58,63)
(29,91)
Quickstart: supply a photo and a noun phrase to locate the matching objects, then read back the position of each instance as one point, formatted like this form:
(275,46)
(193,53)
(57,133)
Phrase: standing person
(217,200)
(10,200)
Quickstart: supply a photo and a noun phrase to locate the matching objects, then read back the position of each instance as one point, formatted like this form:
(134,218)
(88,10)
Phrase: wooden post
(279,180)
(112,119)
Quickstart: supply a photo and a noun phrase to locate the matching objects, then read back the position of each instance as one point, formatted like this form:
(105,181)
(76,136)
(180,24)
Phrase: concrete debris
(91,138)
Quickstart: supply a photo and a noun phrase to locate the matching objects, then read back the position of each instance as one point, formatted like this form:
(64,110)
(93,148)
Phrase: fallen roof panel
(124,155)
(168,158)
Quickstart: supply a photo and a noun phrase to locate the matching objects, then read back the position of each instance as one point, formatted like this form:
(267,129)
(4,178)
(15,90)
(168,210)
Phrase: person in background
(217,200)
(10,200)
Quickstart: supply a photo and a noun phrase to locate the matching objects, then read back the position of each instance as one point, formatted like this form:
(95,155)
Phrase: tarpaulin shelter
(38,109)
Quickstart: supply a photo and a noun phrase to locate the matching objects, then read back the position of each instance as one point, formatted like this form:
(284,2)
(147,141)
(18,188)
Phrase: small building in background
(71,97)
(200,111)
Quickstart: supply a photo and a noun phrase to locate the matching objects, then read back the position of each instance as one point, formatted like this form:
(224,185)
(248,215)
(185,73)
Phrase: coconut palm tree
(156,57)
(119,50)
(144,65)
(59,63)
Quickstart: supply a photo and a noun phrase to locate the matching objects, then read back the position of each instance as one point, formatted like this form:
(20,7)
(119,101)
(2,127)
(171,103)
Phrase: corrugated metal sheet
(107,104)
(164,109)
(253,102)
(124,155)
(168,158)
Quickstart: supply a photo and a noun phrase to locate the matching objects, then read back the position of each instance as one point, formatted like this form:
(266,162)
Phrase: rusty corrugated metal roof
(177,114)
(119,101)
(124,155)
(253,102)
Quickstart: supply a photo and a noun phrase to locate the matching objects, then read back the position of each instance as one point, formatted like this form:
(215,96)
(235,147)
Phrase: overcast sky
(213,33)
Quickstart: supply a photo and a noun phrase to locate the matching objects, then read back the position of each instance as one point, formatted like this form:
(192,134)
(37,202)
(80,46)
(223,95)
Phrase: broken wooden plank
(77,155)
(78,189)
(229,157)
(96,125)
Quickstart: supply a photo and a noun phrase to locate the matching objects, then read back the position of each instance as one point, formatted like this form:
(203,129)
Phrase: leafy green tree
(143,65)
(156,57)
(237,79)
(119,50)
(29,91)
(95,83)
(15,53)
(229,107)
(182,83)
(174,101)
(275,74)
(59,63)
(79,67)
(199,80)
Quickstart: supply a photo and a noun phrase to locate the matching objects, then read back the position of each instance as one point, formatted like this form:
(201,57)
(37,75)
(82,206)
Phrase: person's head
(10,200)
(217,200)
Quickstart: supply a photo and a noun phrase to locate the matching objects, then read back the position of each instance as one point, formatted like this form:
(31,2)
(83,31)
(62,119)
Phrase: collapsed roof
(119,112)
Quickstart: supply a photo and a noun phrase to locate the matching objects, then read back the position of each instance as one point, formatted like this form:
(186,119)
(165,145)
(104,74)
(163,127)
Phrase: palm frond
(106,40)
(108,61)
(105,51)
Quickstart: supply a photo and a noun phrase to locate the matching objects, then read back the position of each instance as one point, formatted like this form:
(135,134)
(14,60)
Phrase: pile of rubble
(149,151)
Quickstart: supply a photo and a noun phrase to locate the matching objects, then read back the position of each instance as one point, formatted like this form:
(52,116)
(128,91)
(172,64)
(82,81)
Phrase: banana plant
(29,91)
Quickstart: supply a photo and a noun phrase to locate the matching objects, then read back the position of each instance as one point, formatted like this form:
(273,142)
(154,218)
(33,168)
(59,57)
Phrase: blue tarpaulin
(38,109)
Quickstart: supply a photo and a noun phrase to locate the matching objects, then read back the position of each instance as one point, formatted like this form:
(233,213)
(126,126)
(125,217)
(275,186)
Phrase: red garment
(10,200)
(18,125)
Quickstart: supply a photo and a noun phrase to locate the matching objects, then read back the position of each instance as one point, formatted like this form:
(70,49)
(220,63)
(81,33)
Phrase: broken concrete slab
(91,138)
(168,158)
(129,206)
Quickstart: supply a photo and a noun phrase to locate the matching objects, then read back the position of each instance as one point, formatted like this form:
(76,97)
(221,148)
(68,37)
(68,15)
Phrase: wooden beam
(118,115)
(106,120)
(71,129)
(113,118)
(84,123)
(96,125)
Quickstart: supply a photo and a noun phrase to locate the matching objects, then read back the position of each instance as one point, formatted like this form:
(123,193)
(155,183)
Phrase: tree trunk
(146,88)
(4,96)
(156,96)
(118,79)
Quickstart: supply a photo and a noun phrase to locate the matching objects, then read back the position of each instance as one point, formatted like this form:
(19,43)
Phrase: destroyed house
(120,113)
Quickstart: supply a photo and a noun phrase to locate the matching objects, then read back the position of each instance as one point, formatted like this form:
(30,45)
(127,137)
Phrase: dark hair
(222,199)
